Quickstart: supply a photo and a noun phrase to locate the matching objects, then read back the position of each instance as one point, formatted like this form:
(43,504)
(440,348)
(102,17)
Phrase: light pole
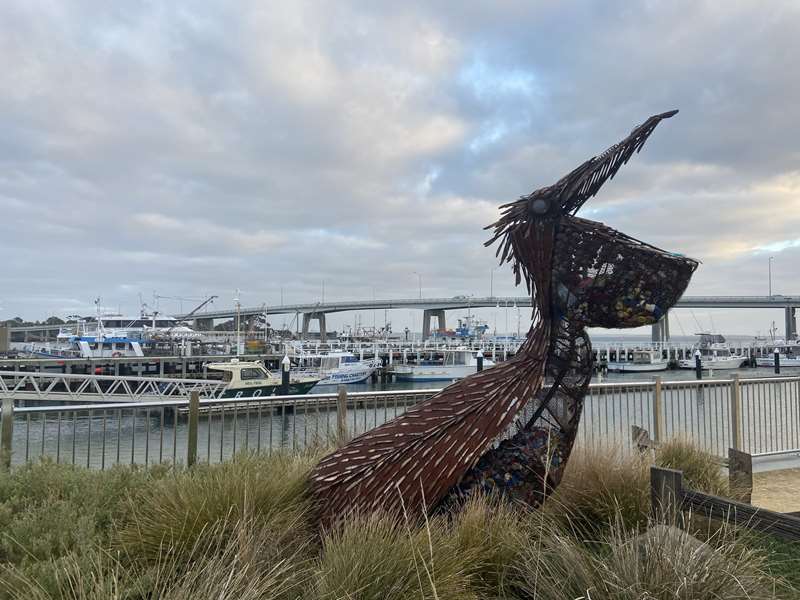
(770,275)
(420,284)
(491,283)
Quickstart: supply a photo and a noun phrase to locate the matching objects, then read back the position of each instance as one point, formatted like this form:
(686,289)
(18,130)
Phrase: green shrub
(47,510)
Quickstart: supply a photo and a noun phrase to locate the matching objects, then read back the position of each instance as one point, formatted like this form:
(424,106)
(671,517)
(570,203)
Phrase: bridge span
(436,308)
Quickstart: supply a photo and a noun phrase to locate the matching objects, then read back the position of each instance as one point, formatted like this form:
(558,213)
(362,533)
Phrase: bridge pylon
(790,317)
(427,315)
(660,330)
(319,316)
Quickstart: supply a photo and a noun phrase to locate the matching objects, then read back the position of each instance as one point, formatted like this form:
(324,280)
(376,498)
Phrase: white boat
(337,368)
(789,353)
(87,340)
(457,364)
(641,361)
(714,354)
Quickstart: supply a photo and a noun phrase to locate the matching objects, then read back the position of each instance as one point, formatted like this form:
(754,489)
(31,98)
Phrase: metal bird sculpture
(503,428)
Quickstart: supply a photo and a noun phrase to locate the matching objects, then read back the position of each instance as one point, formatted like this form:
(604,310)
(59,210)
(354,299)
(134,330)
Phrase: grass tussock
(234,566)
(701,470)
(244,530)
(603,487)
(662,563)
(382,557)
(177,513)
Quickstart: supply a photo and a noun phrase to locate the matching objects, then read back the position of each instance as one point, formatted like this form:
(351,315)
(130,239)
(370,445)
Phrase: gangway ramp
(63,387)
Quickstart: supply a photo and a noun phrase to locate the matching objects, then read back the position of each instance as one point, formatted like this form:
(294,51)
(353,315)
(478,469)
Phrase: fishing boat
(714,354)
(88,340)
(337,368)
(788,353)
(641,361)
(456,364)
(248,379)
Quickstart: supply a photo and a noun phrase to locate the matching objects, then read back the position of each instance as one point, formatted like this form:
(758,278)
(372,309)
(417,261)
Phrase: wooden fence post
(194,421)
(740,475)
(7,432)
(341,417)
(735,410)
(666,486)
(658,423)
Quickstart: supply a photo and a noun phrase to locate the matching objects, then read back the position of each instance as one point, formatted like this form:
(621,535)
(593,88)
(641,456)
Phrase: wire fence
(758,416)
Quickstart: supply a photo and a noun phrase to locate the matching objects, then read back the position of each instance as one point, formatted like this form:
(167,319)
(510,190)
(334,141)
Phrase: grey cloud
(194,148)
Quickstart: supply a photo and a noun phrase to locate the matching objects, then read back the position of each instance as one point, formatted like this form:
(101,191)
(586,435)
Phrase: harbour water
(701,411)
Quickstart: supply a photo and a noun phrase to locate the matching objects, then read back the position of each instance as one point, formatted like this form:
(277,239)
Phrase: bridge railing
(759,416)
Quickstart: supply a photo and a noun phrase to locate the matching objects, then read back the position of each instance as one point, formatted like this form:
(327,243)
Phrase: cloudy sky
(191,148)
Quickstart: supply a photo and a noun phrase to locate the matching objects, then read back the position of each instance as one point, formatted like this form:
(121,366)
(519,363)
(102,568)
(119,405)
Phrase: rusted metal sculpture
(503,428)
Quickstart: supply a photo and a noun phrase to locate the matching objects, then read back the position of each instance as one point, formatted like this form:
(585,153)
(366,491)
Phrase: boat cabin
(240,374)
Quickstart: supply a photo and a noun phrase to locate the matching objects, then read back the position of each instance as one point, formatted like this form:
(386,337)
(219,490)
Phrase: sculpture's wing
(414,460)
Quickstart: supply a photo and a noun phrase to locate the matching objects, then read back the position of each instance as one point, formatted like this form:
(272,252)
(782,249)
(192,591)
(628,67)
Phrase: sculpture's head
(581,268)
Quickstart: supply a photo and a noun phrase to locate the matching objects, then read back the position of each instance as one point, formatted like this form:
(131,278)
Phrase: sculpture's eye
(540,206)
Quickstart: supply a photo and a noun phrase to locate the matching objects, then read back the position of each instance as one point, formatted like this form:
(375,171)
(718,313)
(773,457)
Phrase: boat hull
(629,367)
(301,387)
(785,362)
(719,365)
(344,377)
(433,373)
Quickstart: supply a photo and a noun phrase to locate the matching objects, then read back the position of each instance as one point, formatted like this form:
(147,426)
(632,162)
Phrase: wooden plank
(740,475)
(7,432)
(759,519)
(666,489)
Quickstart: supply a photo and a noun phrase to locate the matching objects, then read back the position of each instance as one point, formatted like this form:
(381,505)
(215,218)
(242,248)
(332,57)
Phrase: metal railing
(62,387)
(759,416)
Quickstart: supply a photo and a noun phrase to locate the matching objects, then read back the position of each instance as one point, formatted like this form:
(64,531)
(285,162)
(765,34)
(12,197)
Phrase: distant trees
(20,322)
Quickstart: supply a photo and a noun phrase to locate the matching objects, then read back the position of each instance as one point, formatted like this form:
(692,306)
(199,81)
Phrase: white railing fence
(758,416)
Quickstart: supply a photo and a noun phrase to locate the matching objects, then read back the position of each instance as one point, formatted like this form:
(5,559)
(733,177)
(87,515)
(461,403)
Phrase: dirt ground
(777,490)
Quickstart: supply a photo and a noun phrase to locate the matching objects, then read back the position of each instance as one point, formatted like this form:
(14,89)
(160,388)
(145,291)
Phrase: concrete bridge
(436,308)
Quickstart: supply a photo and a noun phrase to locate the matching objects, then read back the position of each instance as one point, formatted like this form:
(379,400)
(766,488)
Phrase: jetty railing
(759,416)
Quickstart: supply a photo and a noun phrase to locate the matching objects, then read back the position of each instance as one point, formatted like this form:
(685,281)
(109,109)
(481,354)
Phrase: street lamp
(420,284)
(771,258)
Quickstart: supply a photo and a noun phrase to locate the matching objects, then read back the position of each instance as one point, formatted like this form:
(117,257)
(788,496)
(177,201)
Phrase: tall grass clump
(701,469)
(601,486)
(176,514)
(493,535)
(664,563)
(233,567)
(383,557)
